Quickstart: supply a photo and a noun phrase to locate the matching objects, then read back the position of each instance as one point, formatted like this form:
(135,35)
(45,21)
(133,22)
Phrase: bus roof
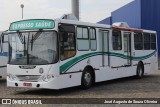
(149,31)
(127,29)
(74,22)
(133,29)
(50,24)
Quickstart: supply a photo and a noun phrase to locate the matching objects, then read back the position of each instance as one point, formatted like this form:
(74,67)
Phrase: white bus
(56,54)
(3,55)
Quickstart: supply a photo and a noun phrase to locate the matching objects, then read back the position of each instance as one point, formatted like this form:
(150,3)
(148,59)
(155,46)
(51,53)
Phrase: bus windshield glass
(33,48)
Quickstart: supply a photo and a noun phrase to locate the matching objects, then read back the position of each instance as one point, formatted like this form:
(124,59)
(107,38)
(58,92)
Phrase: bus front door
(127,47)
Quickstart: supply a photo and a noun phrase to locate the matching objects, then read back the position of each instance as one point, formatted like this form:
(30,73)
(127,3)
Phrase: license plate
(27,84)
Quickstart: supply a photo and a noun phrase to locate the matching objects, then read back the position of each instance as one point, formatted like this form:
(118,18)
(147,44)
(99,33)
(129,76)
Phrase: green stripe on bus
(72,62)
(77,59)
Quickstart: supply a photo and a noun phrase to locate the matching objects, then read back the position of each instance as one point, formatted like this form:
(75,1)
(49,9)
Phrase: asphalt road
(130,87)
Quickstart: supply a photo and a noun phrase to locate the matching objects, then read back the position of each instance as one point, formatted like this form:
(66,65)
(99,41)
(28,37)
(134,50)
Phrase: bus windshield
(33,48)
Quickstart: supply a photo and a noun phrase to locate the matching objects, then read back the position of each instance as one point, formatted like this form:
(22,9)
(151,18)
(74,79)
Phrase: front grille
(29,78)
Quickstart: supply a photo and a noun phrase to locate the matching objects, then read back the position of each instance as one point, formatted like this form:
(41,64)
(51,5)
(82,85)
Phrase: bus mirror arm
(32,43)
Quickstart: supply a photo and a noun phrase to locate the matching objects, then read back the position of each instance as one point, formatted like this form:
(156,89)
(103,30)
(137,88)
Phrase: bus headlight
(46,78)
(11,77)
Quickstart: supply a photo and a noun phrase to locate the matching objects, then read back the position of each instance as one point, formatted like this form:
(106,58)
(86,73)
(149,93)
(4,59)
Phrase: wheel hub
(87,78)
(140,71)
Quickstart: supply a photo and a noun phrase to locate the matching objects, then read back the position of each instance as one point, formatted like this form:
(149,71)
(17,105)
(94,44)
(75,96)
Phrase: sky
(90,10)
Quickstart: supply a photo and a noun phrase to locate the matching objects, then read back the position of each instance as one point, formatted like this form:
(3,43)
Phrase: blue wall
(130,13)
(143,14)
(106,21)
(151,16)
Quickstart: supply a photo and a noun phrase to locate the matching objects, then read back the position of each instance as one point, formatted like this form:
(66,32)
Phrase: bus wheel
(87,79)
(140,71)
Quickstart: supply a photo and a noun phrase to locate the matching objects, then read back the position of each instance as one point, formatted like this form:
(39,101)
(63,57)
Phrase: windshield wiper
(23,41)
(32,43)
(20,37)
(24,46)
(34,38)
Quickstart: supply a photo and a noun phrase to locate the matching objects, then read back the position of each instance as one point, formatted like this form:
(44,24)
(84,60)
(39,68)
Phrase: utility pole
(22,6)
(75,8)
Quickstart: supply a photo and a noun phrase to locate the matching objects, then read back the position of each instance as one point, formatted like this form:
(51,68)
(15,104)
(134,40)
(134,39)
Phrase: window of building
(138,41)
(153,41)
(93,42)
(67,41)
(116,40)
(82,38)
(146,37)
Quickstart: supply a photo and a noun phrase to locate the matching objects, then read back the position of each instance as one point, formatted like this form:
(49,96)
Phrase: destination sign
(32,25)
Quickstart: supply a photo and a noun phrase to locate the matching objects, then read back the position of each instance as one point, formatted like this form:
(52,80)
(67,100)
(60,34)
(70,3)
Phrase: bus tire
(140,71)
(87,79)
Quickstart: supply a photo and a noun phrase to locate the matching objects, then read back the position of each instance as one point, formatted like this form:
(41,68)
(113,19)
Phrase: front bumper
(52,84)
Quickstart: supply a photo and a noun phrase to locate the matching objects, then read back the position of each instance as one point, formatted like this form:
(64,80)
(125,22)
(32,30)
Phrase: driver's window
(67,41)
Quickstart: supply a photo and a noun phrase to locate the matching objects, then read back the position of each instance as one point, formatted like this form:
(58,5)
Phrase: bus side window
(146,37)
(5,43)
(138,41)
(153,42)
(93,42)
(116,40)
(67,41)
(82,38)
